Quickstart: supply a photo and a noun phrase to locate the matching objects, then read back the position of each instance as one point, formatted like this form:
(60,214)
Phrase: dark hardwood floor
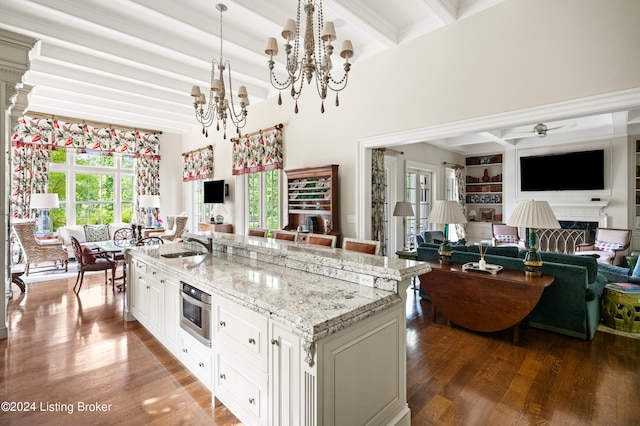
(65,349)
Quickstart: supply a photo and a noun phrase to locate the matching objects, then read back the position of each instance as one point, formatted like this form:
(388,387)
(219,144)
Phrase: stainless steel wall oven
(195,313)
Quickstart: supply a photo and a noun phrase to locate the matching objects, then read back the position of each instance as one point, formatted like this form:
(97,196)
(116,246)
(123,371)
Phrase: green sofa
(571,305)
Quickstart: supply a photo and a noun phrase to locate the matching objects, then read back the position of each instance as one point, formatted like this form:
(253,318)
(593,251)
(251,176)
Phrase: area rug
(58,274)
(605,329)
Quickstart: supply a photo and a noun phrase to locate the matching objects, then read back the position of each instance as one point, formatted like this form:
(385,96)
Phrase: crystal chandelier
(219,107)
(316,59)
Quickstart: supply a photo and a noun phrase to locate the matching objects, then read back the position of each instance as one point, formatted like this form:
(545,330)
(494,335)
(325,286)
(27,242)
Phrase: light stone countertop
(313,304)
(374,271)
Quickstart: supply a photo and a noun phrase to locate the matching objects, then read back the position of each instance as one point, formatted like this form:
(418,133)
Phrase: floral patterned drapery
(29,175)
(378,198)
(35,138)
(197,164)
(259,152)
(147,182)
(461,229)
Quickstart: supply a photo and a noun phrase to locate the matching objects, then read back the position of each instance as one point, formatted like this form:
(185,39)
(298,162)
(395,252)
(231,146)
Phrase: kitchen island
(299,335)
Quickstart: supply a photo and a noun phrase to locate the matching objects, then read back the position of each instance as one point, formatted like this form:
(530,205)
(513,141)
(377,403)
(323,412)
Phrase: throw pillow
(96,233)
(87,255)
(507,239)
(605,246)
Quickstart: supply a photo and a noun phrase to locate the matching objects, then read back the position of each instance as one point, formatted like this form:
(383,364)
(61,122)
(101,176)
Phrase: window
(201,212)
(418,184)
(93,188)
(263,193)
(57,184)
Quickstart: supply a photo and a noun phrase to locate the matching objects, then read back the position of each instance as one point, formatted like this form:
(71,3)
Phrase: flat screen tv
(572,171)
(214,192)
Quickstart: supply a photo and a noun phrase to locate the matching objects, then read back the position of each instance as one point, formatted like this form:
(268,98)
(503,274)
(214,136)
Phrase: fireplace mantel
(585,211)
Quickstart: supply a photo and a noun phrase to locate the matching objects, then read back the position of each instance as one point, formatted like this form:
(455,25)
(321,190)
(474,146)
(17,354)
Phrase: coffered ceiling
(133,62)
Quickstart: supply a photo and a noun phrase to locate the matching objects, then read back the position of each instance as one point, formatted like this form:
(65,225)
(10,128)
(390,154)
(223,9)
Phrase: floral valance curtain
(258,152)
(35,138)
(197,164)
(84,137)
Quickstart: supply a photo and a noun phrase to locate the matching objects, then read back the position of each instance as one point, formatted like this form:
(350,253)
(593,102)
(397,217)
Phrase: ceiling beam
(495,138)
(444,9)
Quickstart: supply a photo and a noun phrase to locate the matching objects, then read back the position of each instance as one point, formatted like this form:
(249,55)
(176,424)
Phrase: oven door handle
(196,302)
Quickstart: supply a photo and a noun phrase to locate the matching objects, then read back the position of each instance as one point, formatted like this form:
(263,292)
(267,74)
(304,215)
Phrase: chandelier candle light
(533,215)
(446,213)
(316,59)
(220,107)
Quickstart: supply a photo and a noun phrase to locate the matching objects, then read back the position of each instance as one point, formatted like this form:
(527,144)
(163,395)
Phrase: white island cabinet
(300,336)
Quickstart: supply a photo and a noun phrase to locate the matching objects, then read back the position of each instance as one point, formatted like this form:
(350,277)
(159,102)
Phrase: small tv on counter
(572,171)
(214,192)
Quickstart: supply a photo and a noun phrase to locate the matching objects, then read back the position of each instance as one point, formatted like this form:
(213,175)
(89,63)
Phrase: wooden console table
(218,227)
(481,301)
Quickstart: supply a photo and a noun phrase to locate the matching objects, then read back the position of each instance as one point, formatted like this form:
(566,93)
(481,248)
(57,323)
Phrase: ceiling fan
(541,129)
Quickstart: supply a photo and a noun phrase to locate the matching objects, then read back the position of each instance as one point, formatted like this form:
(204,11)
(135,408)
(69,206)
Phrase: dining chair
(257,232)
(362,246)
(92,260)
(322,240)
(150,241)
(122,237)
(279,234)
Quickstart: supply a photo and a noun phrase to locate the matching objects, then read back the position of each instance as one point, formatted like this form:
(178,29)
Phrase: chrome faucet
(207,245)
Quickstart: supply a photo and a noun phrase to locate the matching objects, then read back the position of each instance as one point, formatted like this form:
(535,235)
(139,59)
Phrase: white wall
(516,55)
(172,190)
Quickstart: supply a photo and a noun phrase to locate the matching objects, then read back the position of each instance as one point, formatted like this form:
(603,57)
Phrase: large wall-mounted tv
(214,192)
(572,171)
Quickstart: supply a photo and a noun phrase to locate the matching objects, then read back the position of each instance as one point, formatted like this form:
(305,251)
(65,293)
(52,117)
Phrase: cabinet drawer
(244,329)
(240,387)
(196,357)
(140,267)
(153,272)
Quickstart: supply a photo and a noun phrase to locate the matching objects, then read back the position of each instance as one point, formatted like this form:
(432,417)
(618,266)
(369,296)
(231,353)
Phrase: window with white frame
(263,199)
(93,188)
(419,186)
(201,212)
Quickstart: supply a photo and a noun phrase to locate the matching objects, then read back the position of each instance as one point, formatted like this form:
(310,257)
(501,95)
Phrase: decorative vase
(485,176)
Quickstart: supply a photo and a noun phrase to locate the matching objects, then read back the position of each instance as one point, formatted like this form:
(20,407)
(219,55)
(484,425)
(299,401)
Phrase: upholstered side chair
(322,240)
(504,235)
(362,246)
(257,232)
(279,234)
(611,246)
(174,232)
(36,251)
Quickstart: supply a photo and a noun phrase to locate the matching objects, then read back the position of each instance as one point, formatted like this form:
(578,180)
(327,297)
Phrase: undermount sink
(182,254)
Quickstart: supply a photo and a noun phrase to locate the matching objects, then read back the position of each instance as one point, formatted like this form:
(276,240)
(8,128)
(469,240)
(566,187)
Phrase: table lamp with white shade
(44,202)
(533,215)
(404,209)
(149,202)
(446,212)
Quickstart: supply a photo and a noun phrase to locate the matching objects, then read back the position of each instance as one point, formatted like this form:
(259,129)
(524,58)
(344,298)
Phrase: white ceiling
(133,62)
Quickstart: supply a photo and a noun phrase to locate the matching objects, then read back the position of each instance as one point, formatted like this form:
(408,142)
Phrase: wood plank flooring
(67,349)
